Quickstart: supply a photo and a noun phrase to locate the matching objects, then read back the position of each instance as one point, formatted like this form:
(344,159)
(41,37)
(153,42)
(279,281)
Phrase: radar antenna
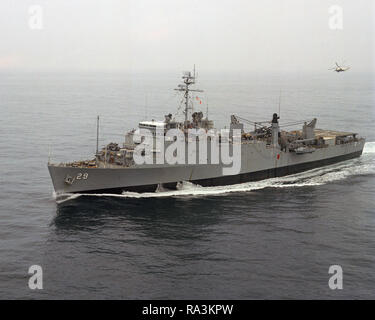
(188,80)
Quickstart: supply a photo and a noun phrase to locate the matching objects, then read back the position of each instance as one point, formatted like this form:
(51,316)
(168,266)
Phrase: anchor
(69,180)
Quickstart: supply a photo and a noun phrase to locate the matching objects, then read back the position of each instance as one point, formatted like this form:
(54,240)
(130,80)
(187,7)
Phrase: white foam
(369,148)
(68,196)
(315,177)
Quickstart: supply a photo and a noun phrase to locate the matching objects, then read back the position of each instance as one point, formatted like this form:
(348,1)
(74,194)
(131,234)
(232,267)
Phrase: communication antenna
(280,103)
(97,135)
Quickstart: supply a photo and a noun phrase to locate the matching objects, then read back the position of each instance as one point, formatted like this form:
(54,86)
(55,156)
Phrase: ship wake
(364,165)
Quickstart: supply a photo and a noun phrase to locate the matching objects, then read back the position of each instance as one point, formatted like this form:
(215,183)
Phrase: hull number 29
(82,176)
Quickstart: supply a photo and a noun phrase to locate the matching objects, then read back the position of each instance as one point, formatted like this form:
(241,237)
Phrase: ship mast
(188,80)
(97,137)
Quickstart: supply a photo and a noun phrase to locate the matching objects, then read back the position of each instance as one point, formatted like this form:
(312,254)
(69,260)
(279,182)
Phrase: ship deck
(332,133)
(326,133)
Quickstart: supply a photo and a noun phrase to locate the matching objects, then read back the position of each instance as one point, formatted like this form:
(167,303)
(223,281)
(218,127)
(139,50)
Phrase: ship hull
(258,162)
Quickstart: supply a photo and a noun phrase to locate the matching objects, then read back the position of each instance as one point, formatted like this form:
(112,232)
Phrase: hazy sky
(250,35)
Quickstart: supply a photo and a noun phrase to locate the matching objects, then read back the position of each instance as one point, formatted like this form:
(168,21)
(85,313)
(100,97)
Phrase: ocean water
(262,240)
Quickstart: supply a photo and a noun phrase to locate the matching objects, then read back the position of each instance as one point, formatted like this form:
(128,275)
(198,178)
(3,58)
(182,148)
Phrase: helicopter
(339,68)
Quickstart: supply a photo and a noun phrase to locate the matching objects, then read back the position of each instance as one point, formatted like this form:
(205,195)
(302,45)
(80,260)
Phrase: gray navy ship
(268,151)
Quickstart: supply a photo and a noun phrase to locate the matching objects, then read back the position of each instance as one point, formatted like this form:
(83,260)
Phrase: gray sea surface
(261,240)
